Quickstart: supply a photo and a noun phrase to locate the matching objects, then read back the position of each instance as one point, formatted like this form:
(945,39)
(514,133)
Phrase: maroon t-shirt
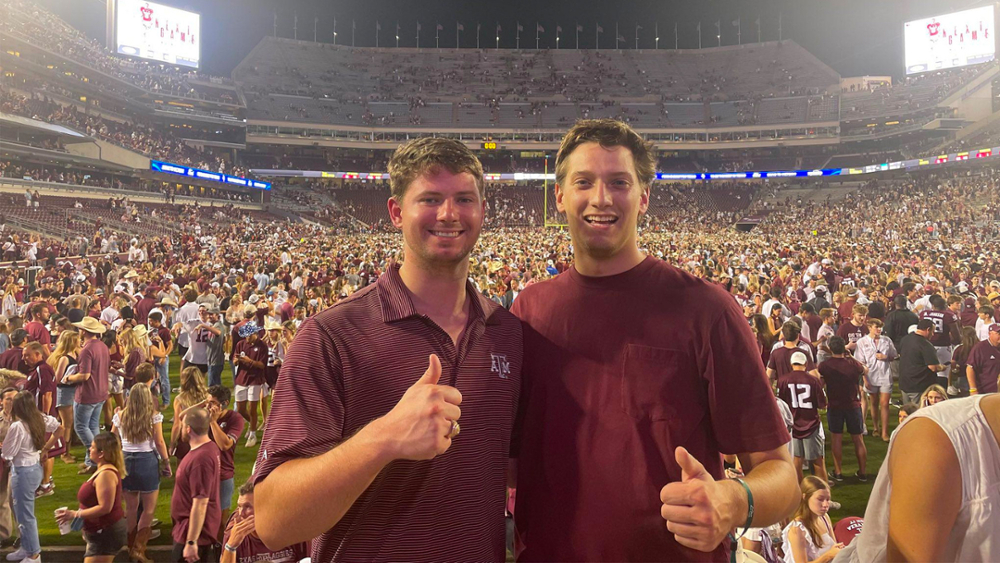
(42,380)
(142,309)
(781,361)
(95,360)
(842,377)
(197,477)
(13,359)
(619,371)
(286,311)
(257,352)
(846,310)
(985,360)
(252,550)
(943,321)
(38,333)
(850,333)
(804,394)
(232,424)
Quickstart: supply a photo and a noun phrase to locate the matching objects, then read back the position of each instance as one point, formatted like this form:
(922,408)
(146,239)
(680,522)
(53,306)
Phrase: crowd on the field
(807,266)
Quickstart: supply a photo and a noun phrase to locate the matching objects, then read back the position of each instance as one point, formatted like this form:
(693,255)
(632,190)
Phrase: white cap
(826,261)
(798,358)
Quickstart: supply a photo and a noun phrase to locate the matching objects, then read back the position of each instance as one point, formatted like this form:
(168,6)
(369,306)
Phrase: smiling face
(441,215)
(603,199)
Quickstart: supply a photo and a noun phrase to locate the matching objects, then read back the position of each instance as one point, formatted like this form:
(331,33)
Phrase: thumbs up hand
(420,424)
(699,510)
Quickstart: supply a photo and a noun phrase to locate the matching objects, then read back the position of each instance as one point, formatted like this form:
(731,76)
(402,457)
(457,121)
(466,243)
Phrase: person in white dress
(938,493)
(808,538)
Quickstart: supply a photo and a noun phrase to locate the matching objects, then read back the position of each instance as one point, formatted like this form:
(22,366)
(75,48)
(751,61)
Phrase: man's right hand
(420,423)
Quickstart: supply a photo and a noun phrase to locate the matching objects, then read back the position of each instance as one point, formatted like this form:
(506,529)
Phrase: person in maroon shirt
(356,432)
(241,542)
(804,394)
(13,357)
(855,329)
(251,361)
(94,362)
(194,504)
(779,362)
(37,331)
(983,366)
(146,304)
(226,427)
(842,375)
(637,378)
(41,383)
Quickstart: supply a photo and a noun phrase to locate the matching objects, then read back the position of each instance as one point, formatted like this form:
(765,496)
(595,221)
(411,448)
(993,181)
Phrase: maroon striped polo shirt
(351,364)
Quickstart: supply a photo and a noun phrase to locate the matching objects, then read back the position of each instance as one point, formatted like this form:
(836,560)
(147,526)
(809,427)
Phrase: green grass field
(852,494)
(68,482)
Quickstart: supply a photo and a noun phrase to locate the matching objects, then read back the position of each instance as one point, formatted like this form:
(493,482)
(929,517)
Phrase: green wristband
(735,539)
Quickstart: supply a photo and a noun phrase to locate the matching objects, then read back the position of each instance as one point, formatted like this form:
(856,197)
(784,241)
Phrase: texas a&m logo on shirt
(499,365)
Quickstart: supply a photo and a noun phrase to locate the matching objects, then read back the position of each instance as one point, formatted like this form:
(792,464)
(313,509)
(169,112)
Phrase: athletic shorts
(837,418)
(251,393)
(810,447)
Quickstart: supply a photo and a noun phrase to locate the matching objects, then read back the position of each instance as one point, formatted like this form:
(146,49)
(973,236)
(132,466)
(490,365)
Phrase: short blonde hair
(431,154)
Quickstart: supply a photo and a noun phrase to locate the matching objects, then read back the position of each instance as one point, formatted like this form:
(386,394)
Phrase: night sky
(854,37)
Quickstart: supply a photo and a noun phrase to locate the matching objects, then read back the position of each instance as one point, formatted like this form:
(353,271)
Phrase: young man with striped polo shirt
(637,378)
(361,451)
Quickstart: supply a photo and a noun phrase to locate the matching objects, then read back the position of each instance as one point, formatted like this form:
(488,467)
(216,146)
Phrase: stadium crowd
(806,266)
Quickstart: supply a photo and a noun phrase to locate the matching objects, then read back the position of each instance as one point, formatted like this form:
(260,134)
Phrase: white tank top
(976,533)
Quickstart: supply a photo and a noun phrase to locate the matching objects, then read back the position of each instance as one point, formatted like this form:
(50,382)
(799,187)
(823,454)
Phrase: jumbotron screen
(157,32)
(949,41)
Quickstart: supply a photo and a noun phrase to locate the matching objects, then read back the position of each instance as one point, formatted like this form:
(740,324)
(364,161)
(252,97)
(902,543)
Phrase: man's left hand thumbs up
(697,509)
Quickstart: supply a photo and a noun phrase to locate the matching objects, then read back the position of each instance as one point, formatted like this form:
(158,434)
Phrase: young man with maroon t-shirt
(194,504)
(13,357)
(251,361)
(241,542)
(842,375)
(37,331)
(638,377)
(854,330)
(226,427)
(339,462)
(804,394)
(983,366)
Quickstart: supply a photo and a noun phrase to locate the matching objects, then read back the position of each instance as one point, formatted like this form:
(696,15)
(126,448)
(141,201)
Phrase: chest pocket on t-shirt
(661,385)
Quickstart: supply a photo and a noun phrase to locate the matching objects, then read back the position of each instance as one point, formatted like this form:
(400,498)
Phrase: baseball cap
(995,327)
(924,324)
(253,299)
(248,329)
(847,529)
(963,286)
(798,358)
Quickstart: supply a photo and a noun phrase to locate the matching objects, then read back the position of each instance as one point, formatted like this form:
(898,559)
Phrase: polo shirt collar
(397,305)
